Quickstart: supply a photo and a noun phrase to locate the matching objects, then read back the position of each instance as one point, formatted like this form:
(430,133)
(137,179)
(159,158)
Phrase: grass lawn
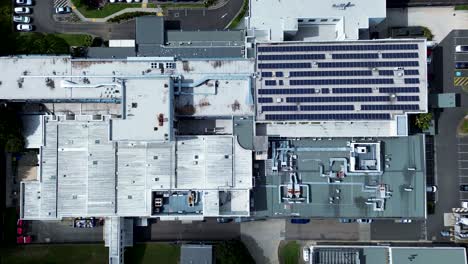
(107,10)
(70,254)
(152,253)
(77,39)
(464,126)
(240,16)
(461,7)
(289,253)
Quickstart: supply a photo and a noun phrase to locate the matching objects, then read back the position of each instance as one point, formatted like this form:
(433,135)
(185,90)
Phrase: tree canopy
(11,138)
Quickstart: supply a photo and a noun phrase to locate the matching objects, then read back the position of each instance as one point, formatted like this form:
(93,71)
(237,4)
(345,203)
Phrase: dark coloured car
(464,188)
(461,65)
(223,220)
(300,221)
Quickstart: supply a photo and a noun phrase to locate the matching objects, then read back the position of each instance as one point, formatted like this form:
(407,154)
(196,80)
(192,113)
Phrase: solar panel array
(349,81)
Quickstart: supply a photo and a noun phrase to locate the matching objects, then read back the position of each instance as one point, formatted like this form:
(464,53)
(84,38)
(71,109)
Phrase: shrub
(128,16)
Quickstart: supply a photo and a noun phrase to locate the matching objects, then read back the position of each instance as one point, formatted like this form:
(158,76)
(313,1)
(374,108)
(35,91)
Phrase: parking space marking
(61,3)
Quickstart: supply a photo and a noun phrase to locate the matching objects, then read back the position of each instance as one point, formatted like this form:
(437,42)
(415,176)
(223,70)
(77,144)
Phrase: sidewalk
(126,10)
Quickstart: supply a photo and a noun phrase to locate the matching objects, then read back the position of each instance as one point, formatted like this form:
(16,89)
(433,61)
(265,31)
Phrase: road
(202,19)
(195,231)
(446,141)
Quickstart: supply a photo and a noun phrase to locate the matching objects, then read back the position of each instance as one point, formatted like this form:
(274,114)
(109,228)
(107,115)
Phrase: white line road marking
(224,15)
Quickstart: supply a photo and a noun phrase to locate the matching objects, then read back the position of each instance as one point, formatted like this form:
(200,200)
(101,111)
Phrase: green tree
(11,138)
(423,121)
(232,252)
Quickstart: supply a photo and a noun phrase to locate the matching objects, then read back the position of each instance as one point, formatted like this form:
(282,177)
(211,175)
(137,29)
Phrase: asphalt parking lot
(63,232)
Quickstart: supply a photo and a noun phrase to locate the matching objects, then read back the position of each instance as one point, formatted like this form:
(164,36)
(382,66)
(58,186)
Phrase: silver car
(21,19)
(24,2)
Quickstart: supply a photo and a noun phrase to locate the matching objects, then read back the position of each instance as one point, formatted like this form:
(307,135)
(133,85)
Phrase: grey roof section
(428,255)
(149,50)
(406,168)
(111,52)
(149,30)
(196,254)
(387,255)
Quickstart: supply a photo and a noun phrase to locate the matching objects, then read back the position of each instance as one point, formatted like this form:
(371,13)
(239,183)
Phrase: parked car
(24,2)
(300,221)
(347,220)
(445,233)
(431,189)
(404,221)
(364,221)
(63,10)
(223,220)
(306,254)
(464,187)
(21,19)
(128,1)
(22,10)
(461,48)
(24,27)
(461,65)
(464,204)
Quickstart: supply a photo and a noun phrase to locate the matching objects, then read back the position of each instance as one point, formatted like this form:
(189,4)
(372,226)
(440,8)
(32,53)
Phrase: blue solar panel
(284,65)
(360,116)
(325,90)
(265,100)
(292,57)
(269,108)
(327,99)
(267,74)
(275,48)
(411,80)
(270,82)
(411,72)
(355,56)
(281,82)
(386,72)
(327,107)
(390,107)
(408,98)
(287,91)
(399,90)
(340,81)
(329,73)
(351,90)
(366,64)
(404,55)
(279,74)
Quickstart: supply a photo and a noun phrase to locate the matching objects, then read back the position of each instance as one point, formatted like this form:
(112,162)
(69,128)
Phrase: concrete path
(440,20)
(126,10)
(262,238)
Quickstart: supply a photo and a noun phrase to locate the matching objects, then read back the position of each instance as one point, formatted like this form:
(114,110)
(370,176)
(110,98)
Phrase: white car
(404,221)
(24,27)
(128,1)
(21,19)
(461,48)
(306,254)
(111,1)
(24,2)
(63,10)
(431,189)
(22,10)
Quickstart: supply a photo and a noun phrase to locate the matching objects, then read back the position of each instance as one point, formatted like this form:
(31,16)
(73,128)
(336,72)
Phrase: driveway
(446,142)
(63,232)
(262,238)
(187,20)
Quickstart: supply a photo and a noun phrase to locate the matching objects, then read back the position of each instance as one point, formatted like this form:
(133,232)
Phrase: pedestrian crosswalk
(461,81)
(61,3)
